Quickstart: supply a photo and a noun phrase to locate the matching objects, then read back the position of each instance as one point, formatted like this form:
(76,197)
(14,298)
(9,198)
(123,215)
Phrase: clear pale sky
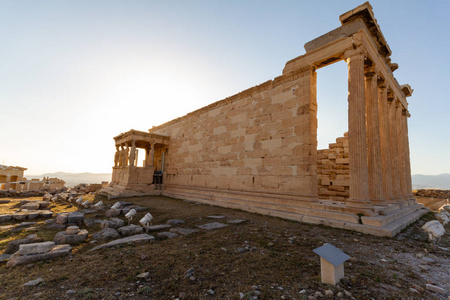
(74,74)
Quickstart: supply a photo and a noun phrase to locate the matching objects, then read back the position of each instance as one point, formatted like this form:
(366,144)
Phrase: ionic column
(401,150)
(407,160)
(373,139)
(394,150)
(359,175)
(385,144)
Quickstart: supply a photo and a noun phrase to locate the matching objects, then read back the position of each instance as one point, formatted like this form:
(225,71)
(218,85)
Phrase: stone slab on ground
(89,211)
(217,217)
(43,204)
(130,230)
(175,222)
(106,234)
(20,216)
(13,246)
(71,239)
(75,217)
(33,215)
(4,257)
(34,282)
(56,251)
(166,235)
(35,248)
(4,218)
(112,223)
(61,218)
(184,231)
(131,239)
(4,201)
(137,208)
(30,206)
(91,222)
(112,213)
(214,225)
(158,227)
(236,221)
(46,213)
(25,224)
(56,226)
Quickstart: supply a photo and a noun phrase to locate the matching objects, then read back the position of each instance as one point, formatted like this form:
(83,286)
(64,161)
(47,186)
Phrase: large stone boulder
(30,206)
(64,237)
(106,234)
(130,230)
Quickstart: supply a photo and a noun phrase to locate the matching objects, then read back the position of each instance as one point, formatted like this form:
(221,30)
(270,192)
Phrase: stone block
(75,217)
(35,248)
(131,239)
(62,218)
(130,230)
(30,206)
(71,239)
(106,234)
(56,251)
(4,218)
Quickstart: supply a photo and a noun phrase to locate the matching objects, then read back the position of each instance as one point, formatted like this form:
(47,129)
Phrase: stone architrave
(373,138)
(401,150)
(359,175)
(394,150)
(386,165)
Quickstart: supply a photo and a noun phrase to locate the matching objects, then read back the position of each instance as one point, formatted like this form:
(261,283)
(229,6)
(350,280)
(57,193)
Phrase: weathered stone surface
(34,282)
(214,225)
(183,231)
(72,230)
(25,224)
(4,218)
(4,201)
(131,239)
(92,222)
(166,235)
(89,211)
(137,208)
(13,246)
(130,230)
(20,216)
(175,222)
(106,234)
(436,289)
(56,251)
(71,239)
(236,221)
(75,217)
(113,223)
(216,217)
(30,206)
(43,204)
(35,248)
(46,213)
(33,215)
(112,212)
(56,226)
(158,227)
(4,257)
(62,218)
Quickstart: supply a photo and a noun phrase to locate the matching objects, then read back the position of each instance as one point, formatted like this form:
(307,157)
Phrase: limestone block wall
(260,140)
(333,172)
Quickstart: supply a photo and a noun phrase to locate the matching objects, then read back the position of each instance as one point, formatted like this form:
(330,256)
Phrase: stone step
(382,220)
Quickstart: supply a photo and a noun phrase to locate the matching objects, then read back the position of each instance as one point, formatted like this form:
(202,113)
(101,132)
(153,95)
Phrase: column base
(359,204)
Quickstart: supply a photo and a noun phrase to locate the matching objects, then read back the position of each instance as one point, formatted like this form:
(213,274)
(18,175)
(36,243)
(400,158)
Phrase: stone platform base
(128,191)
(381,221)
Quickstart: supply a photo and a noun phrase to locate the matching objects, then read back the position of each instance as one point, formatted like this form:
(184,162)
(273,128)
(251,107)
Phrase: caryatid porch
(128,174)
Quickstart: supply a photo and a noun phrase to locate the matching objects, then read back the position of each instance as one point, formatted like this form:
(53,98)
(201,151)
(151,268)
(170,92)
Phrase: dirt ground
(265,257)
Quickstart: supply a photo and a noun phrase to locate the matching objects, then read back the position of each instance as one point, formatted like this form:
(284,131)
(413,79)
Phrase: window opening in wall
(332,103)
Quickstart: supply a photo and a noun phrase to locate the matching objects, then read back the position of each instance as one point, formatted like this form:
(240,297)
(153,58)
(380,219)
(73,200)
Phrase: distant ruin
(257,150)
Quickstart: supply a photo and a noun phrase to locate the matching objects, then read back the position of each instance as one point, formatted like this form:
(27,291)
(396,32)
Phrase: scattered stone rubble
(432,193)
(38,251)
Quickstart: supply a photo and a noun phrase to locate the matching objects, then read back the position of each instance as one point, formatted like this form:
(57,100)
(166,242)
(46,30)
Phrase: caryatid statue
(116,157)
(125,157)
(132,156)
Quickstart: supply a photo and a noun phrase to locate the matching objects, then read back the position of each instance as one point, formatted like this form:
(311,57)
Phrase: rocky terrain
(196,251)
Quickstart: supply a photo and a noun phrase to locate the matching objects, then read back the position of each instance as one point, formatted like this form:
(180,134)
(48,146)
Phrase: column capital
(358,53)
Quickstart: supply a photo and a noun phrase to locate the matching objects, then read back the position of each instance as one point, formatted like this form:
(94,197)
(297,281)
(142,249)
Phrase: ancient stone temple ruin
(257,150)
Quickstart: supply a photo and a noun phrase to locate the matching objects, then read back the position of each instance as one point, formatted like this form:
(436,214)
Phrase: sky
(74,74)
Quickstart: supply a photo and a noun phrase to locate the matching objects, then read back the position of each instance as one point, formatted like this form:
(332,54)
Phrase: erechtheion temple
(257,150)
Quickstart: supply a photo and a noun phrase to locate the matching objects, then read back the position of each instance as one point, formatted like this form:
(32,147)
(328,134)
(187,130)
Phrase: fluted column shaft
(385,143)
(373,139)
(394,150)
(359,176)
(407,160)
(401,150)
